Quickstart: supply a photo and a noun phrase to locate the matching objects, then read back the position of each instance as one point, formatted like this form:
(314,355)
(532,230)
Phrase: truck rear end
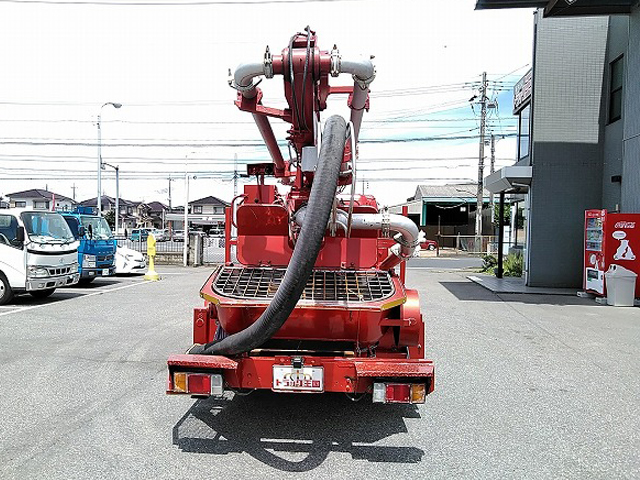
(315,302)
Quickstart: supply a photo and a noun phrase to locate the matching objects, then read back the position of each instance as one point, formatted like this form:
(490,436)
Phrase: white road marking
(31,307)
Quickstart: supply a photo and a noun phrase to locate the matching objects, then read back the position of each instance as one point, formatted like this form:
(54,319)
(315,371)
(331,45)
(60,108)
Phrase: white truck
(38,253)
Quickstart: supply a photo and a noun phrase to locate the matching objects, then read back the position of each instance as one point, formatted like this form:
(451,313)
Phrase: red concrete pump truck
(313,303)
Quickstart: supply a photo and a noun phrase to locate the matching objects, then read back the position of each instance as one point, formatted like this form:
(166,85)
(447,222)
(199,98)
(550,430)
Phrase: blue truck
(97,250)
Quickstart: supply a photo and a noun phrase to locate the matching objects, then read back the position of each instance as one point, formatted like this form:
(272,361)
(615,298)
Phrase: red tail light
(398,393)
(199,383)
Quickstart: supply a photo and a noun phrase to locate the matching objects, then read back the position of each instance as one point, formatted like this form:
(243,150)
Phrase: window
(8,231)
(524,130)
(615,89)
(197,209)
(41,205)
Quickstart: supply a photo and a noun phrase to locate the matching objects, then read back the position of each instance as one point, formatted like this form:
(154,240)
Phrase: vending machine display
(610,238)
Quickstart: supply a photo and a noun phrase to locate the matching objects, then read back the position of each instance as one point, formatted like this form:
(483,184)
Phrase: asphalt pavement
(527,387)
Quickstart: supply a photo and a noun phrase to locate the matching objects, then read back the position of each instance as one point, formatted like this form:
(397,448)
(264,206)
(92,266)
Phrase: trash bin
(621,286)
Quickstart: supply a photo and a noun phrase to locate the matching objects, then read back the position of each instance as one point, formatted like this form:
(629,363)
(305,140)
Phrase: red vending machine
(610,238)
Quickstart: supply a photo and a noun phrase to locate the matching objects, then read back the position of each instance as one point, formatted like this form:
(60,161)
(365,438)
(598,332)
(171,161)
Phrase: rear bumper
(341,374)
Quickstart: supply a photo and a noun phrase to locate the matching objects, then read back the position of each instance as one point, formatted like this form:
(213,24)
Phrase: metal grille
(105,258)
(59,271)
(323,285)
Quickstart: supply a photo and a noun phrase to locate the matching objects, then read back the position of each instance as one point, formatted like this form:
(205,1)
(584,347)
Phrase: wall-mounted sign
(522,92)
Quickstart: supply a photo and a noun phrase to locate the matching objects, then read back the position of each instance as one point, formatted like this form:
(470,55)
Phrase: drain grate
(323,285)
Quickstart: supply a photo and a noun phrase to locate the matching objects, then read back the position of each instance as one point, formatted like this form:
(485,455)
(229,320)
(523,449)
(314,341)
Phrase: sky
(168,65)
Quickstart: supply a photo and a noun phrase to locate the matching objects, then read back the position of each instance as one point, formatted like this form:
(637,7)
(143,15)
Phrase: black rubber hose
(306,251)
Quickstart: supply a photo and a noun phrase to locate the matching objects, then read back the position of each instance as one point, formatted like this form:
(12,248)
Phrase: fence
(161,247)
(485,244)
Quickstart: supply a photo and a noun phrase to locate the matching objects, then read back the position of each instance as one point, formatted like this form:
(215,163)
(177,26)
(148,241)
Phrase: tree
(110,217)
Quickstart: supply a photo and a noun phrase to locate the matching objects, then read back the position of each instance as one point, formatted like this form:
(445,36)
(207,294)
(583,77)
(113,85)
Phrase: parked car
(139,234)
(129,261)
(428,245)
(160,234)
(178,235)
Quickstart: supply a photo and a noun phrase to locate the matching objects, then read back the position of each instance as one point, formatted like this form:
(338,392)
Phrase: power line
(169,3)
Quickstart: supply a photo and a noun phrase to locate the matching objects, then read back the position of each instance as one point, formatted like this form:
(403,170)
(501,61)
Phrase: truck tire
(6,293)
(42,293)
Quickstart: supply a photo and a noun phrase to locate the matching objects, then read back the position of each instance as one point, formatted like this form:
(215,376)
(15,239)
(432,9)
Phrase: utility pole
(74,191)
(491,170)
(170,180)
(480,194)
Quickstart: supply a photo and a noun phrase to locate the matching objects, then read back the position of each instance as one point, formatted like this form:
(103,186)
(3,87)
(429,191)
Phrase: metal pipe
(407,231)
(243,78)
(500,271)
(270,140)
(363,73)
(185,237)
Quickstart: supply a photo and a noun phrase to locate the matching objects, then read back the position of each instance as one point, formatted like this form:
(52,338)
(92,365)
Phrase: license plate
(305,379)
(105,272)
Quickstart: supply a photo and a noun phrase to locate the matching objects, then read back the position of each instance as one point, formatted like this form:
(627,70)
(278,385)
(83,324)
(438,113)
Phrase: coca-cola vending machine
(610,238)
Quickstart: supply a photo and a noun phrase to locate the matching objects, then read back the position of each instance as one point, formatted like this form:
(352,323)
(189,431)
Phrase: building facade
(580,130)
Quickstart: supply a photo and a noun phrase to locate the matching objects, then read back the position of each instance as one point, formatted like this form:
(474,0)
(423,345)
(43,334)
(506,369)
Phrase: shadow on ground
(57,296)
(469,291)
(295,433)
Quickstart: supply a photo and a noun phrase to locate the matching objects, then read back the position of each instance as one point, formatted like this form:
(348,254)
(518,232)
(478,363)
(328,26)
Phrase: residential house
(157,212)
(39,199)
(207,213)
(127,219)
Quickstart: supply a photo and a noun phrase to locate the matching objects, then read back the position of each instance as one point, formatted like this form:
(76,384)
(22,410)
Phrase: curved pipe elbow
(362,69)
(243,78)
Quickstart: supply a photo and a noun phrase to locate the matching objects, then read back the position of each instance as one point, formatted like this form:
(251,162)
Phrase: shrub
(489,264)
(513,265)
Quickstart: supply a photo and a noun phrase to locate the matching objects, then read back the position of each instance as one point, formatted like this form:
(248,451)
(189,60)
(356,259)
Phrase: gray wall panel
(631,117)
(617,42)
(567,145)
(566,182)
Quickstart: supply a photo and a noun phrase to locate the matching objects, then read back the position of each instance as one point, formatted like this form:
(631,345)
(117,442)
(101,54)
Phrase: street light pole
(117,169)
(99,196)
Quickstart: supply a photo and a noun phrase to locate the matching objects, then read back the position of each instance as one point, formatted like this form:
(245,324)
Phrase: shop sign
(522,92)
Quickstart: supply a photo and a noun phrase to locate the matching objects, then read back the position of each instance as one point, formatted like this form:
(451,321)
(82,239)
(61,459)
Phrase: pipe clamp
(335,62)
(268,63)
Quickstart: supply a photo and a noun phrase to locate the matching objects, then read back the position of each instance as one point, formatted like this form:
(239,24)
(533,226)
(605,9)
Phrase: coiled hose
(304,256)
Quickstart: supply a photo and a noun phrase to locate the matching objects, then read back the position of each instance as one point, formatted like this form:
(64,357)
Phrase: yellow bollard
(151,253)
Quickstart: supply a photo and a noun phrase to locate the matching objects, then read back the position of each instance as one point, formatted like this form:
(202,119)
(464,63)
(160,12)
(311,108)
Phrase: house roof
(456,192)
(157,206)
(210,200)
(106,200)
(39,193)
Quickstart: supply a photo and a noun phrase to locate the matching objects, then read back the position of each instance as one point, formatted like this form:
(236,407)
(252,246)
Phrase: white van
(38,253)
